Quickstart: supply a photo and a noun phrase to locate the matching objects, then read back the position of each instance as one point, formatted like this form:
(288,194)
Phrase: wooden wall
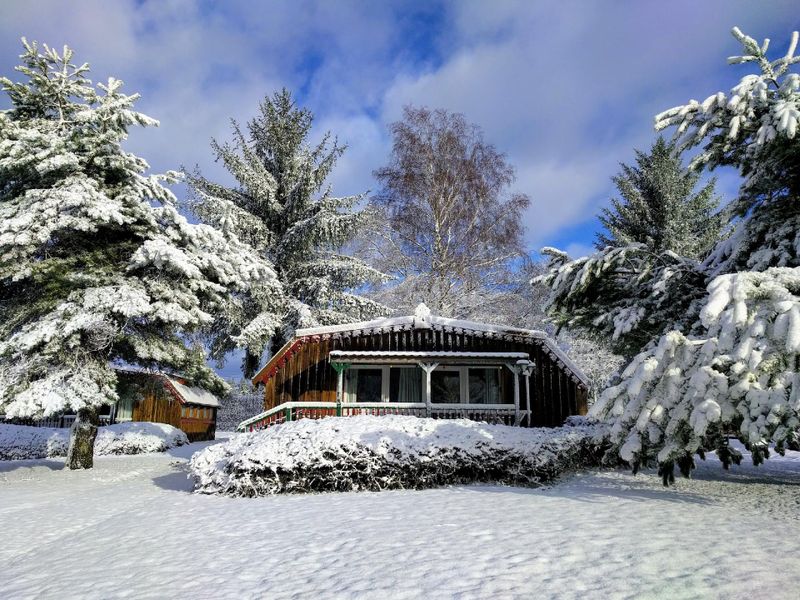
(304,374)
(199,428)
(158,408)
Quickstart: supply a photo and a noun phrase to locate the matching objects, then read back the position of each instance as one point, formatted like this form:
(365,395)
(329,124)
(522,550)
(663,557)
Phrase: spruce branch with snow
(734,368)
(627,295)
(96,264)
(645,275)
(282,208)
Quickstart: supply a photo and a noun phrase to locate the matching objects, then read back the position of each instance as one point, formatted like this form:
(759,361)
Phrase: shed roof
(422,319)
(192,394)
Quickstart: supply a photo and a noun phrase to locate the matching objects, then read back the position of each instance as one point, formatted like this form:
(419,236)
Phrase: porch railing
(291,411)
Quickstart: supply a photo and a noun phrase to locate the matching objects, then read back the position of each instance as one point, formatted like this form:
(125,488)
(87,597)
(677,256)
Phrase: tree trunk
(83,432)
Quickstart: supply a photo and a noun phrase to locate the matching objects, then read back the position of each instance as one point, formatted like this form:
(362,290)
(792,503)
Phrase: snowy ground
(130,528)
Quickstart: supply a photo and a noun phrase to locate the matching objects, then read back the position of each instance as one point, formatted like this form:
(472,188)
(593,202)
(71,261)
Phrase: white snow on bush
(389,452)
(20,442)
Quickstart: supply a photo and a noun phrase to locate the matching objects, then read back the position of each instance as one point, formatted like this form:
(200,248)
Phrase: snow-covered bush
(21,442)
(138,438)
(389,452)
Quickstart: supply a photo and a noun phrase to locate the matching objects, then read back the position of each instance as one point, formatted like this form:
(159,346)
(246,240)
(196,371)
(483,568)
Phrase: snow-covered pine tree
(737,368)
(625,295)
(660,207)
(96,264)
(282,208)
(645,275)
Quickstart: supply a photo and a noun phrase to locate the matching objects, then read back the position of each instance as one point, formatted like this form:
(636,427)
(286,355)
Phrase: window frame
(349,394)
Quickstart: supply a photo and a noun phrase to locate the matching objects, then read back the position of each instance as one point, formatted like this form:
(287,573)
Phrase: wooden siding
(304,374)
(157,405)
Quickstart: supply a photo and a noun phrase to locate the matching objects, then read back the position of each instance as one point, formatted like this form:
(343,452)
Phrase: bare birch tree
(453,229)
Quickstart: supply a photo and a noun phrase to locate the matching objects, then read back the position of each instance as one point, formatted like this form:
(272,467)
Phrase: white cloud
(566,88)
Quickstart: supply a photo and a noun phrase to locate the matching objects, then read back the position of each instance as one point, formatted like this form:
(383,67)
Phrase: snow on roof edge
(193,394)
(425,321)
(418,322)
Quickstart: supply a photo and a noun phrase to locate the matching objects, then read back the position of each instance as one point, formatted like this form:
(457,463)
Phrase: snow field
(390,452)
(20,442)
(131,528)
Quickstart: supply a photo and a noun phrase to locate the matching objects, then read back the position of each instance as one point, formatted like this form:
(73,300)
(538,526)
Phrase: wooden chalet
(421,365)
(162,398)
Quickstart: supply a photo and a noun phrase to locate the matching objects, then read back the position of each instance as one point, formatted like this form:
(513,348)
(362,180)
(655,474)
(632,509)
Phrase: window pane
(125,409)
(368,385)
(484,386)
(405,384)
(445,387)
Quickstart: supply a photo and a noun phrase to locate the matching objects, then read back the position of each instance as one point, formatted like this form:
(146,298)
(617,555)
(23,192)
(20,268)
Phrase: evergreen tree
(96,264)
(734,366)
(660,208)
(282,208)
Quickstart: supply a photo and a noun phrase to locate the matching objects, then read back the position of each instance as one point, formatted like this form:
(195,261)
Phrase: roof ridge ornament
(422,315)
(422,311)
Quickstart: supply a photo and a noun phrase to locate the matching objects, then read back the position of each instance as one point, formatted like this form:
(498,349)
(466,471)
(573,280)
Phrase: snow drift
(21,442)
(368,453)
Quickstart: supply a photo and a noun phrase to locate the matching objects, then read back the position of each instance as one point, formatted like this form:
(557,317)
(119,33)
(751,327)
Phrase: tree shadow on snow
(177,481)
(594,489)
(6,466)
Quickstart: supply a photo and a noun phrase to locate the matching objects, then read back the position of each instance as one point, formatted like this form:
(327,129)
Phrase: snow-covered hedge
(389,452)
(20,442)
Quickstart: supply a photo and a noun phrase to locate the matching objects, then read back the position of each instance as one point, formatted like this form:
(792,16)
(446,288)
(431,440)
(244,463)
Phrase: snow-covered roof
(186,393)
(416,322)
(443,355)
(423,319)
(193,395)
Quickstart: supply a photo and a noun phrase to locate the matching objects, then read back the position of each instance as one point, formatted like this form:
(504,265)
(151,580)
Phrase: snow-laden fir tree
(96,264)
(283,209)
(736,368)
(646,273)
(660,207)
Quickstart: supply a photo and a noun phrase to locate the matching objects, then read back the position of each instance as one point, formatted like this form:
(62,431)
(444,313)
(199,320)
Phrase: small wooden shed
(162,398)
(423,365)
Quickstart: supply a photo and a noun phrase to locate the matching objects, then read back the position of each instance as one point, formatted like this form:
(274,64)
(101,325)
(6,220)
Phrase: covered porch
(483,386)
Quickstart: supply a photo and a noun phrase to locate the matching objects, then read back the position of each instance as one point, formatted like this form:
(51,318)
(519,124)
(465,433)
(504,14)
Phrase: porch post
(527,370)
(340,368)
(515,370)
(428,368)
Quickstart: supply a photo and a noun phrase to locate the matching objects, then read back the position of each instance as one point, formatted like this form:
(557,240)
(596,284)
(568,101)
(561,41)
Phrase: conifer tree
(730,365)
(282,208)
(660,208)
(96,264)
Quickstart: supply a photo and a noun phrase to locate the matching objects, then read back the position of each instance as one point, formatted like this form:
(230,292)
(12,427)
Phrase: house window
(446,386)
(484,386)
(125,409)
(405,384)
(365,384)
(449,384)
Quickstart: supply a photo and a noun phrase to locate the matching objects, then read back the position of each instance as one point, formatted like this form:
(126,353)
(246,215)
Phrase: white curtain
(410,386)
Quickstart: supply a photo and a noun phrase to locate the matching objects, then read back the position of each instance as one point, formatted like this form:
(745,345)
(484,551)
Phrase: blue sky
(567,89)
